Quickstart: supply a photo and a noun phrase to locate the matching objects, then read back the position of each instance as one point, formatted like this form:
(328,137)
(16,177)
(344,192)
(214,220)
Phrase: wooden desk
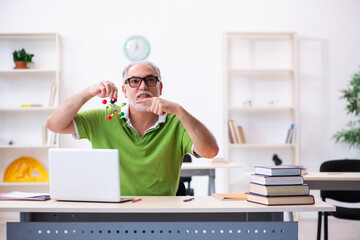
(205,168)
(333,180)
(153,218)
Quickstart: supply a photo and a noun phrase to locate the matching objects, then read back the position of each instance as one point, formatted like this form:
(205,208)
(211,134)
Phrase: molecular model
(115,112)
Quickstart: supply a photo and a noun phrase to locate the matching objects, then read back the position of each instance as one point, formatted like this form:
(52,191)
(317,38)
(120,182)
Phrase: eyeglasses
(135,82)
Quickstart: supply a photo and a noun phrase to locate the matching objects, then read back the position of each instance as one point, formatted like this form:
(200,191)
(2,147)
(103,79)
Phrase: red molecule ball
(104,101)
(109,117)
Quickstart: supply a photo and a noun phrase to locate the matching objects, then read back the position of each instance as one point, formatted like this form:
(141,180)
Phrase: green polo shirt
(149,165)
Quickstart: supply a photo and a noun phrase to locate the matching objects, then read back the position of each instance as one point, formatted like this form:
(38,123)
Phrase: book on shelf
(242,136)
(281,200)
(230,196)
(52,95)
(236,133)
(44,135)
(30,105)
(281,170)
(231,139)
(279,190)
(232,125)
(277,180)
(290,137)
(50,138)
(25,196)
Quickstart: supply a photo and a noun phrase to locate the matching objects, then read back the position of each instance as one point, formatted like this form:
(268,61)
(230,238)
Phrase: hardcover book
(283,170)
(230,196)
(279,190)
(281,200)
(277,180)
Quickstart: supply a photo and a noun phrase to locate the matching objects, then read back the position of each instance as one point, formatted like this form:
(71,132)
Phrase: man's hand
(104,89)
(159,106)
(204,142)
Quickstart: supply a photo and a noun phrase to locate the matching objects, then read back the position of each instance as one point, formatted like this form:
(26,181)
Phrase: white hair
(126,69)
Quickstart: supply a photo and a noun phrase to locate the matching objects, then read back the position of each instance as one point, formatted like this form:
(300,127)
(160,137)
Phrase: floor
(338,229)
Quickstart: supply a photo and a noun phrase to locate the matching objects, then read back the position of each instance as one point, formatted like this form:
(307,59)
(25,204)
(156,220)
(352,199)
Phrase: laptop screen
(84,174)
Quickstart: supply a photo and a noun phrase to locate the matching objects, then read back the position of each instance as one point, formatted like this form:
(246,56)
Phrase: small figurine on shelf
(247,103)
(276,160)
(115,112)
(272,103)
(21,59)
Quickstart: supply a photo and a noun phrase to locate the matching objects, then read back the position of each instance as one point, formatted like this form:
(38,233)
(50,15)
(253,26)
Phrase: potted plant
(351,94)
(22,58)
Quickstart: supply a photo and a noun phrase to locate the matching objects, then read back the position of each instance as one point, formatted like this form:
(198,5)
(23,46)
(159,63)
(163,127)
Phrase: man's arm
(204,142)
(61,120)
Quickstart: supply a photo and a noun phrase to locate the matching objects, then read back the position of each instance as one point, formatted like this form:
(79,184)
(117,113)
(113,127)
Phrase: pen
(189,199)
(136,200)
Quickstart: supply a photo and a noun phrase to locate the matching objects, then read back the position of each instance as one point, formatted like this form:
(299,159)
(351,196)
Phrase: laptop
(85,175)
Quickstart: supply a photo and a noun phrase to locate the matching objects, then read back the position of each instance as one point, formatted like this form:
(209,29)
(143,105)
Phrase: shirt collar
(125,109)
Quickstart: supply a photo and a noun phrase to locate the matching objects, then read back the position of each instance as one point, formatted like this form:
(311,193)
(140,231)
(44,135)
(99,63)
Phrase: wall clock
(136,48)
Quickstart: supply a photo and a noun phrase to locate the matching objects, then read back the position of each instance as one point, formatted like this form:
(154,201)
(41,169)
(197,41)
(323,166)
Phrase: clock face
(136,48)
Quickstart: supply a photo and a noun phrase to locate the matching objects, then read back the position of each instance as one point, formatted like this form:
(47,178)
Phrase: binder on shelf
(52,94)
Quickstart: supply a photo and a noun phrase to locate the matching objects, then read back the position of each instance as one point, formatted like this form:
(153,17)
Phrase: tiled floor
(338,229)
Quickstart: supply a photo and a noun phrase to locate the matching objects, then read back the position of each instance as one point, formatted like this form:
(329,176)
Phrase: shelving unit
(260,68)
(23,125)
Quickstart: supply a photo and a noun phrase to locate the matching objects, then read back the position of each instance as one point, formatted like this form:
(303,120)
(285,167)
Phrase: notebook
(85,175)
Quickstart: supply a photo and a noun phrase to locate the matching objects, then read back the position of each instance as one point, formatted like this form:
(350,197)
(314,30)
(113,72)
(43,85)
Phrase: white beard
(142,107)
(139,107)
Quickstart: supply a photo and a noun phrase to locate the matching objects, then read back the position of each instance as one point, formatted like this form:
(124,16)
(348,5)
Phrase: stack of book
(279,185)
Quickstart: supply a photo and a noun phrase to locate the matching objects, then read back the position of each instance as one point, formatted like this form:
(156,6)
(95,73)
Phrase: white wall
(186,43)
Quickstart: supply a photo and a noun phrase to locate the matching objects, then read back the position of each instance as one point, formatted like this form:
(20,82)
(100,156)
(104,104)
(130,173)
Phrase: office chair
(182,190)
(346,165)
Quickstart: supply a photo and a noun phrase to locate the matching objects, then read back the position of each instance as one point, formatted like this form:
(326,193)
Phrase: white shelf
(27,109)
(30,70)
(260,34)
(260,109)
(250,145)
(259,71)
(259,68)
(33,86)
(23,184)
(27,146)
(31,35)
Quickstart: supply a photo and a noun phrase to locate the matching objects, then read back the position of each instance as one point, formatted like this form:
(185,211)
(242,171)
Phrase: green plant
(351,94)
(21,55)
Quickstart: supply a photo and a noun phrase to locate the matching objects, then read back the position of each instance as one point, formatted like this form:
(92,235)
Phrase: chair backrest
(181,190)
(343,165)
